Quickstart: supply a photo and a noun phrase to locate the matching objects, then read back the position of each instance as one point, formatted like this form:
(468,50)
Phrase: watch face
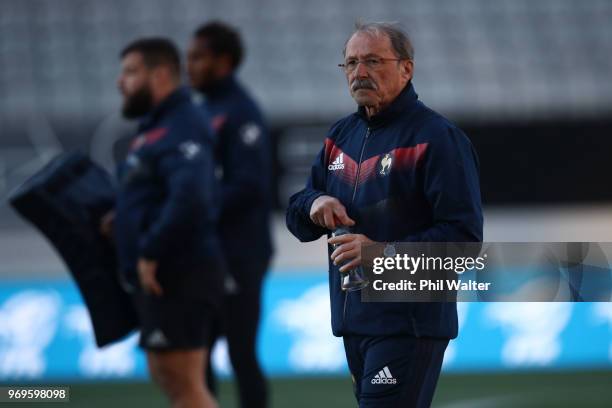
(389,250)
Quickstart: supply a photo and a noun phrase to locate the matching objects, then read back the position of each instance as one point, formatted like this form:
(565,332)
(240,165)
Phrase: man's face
(135,86)
(377,86)
(202,65)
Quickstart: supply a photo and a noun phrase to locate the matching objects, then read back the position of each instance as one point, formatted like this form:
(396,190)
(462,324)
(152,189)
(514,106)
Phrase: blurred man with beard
(164,226)
(243,152)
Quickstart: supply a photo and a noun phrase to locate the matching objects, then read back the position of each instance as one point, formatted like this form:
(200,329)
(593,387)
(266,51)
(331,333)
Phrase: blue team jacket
(243,151)
(406,174)
(166,205)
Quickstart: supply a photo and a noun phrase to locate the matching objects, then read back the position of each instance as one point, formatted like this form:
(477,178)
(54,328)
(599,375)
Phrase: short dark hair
(222,39)
(156,51)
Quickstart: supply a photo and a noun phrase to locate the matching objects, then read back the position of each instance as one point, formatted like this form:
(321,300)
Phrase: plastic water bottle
(355,278)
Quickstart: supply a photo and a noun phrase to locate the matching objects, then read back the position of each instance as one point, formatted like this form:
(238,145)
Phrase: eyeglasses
(372,63)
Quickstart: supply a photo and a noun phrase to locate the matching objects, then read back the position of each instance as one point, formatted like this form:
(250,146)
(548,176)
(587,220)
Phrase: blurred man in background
(164,224)
(393,171)
(243,152)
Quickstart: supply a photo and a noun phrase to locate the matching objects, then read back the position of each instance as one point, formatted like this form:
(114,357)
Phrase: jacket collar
(220,87)
(177,97)
(404,101)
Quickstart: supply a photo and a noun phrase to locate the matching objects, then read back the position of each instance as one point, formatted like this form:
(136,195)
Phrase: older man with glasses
(395,170)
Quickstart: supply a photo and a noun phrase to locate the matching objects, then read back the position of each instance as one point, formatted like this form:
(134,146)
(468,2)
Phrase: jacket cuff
(309,200)
(147,250)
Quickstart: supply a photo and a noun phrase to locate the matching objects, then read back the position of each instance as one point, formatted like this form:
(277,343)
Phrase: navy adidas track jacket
(406,174)
(166,206)
(243,151)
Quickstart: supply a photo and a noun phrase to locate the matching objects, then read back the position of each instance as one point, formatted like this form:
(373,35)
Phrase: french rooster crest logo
(385,164)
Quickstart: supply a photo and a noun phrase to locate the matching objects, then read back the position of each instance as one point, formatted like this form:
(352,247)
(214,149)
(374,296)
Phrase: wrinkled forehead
(363,44)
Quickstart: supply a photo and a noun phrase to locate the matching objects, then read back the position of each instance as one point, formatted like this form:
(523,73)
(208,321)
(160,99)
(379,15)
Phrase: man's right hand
(328,212)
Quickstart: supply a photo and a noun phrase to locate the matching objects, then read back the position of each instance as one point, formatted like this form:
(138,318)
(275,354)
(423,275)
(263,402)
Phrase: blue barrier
(45,334)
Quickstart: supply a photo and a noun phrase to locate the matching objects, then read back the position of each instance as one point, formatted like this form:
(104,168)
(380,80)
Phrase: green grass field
(531,390)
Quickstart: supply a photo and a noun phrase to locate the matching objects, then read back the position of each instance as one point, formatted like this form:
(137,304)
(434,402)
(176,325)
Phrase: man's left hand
(348,248)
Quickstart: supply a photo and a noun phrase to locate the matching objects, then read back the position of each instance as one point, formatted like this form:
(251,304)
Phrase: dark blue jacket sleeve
(182,169)
(451,186)
(298,211)
(246,162)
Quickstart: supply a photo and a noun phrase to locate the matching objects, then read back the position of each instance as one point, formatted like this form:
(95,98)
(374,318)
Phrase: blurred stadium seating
(477,61)
(59,58)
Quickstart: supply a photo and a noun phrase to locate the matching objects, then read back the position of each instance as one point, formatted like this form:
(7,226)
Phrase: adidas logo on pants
(384,377)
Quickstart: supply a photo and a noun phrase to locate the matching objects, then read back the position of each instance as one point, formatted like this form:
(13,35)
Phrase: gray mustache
(362,84)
